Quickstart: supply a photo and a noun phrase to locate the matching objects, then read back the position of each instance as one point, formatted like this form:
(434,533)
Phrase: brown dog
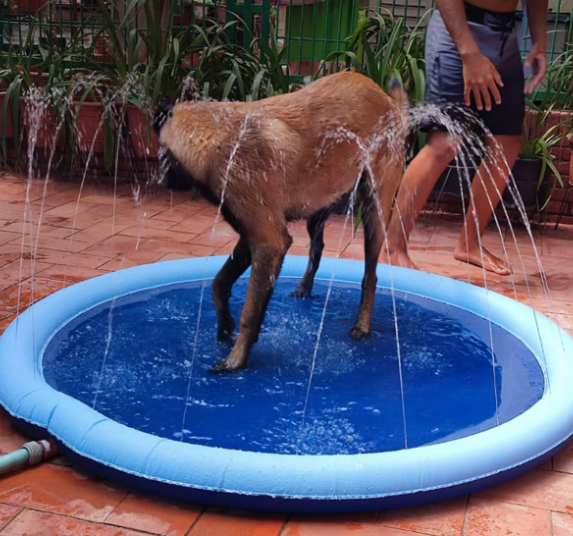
(288,157)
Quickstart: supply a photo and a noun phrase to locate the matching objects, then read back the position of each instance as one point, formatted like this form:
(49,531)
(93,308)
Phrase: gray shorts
(496,38)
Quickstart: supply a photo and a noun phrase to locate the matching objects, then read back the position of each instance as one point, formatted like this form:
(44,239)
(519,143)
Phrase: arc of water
(455,130)
(243,130)
(367,148)
(37,105)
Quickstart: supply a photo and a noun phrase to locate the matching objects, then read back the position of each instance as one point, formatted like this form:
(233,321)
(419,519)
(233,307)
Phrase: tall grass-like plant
(383,46)
(46,68)
(537,140)
(222,70)
(273,75)
(200,52)
(549,122)
(380,47)
(557,88)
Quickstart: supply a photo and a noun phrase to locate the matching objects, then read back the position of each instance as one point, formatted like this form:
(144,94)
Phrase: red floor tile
(233,523)
(7,513)
(93,216)
(563,460)
(157,234)
(32,523)
(50,256)
(73,274)
(23,268)
(150,514)
(325,528)
(114,245)
(94,234)
(439,519)
(173,257)
(6,321)
(69,210)
(179,213)
(196,225)
(218,238)
(550,490)
(18,297)
(6,237)
(301,251)
(61,490)
(31,229)
(11,441)
(487,518)
(562,524)
(352,518)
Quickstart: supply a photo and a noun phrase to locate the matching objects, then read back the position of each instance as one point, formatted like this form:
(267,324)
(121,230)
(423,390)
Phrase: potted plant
(30,102)
(38,94)
(535,175)
(141,84)
(5,112)
(92,114)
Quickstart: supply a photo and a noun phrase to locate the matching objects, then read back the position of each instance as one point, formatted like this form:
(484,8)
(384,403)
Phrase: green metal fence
(309,33)
(311,29)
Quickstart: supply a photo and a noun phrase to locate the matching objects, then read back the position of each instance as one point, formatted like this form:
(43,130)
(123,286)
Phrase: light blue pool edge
(539,430)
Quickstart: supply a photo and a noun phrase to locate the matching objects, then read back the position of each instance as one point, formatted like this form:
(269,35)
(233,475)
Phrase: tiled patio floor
(82,237)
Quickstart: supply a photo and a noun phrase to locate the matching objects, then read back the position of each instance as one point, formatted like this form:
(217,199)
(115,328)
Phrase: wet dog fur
(269,162)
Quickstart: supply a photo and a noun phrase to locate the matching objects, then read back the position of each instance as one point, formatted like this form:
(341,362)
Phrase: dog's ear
(162,114)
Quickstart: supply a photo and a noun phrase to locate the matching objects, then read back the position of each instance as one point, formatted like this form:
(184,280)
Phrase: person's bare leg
(485,194)
(418,181)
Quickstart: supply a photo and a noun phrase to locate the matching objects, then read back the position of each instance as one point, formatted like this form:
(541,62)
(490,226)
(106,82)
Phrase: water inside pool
(143,343)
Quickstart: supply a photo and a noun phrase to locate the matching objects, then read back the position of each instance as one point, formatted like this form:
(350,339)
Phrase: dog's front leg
(267,261)
(234,267)
(315,228)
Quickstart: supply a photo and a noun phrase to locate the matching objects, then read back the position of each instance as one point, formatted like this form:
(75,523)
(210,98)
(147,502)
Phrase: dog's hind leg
(377,196)
(315,227)
(268,251)
(373,241)
(234,267)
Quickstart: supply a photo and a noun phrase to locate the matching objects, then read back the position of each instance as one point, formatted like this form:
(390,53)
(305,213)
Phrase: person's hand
(482,80)
(537,61)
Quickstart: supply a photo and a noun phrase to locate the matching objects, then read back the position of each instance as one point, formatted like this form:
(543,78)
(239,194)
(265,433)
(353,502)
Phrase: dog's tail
(400,97)
(397,92)
(162,115)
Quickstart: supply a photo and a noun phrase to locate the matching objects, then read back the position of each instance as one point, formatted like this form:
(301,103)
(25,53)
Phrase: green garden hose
(31,453)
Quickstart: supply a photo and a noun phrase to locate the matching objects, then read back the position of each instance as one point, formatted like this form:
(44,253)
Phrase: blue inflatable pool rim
(288,482)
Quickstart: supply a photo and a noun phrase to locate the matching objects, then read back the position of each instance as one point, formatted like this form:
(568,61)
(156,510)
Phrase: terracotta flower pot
(48,126)
(221,14)
(90,127)
(143,138)
(7,126)
(26,6)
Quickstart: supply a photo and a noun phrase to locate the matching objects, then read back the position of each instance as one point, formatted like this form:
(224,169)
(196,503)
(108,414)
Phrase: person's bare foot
(398,258)
(486,260)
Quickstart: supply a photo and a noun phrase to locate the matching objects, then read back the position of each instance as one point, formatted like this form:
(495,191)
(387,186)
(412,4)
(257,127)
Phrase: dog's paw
(301,293)
(359,334)
(225,366)
(226,329)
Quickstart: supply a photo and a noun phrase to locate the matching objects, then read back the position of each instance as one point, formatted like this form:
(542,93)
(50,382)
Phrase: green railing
(309,29)
(306,37)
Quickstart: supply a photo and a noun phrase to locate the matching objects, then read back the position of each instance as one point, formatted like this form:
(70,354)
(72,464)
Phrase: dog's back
(297,151)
